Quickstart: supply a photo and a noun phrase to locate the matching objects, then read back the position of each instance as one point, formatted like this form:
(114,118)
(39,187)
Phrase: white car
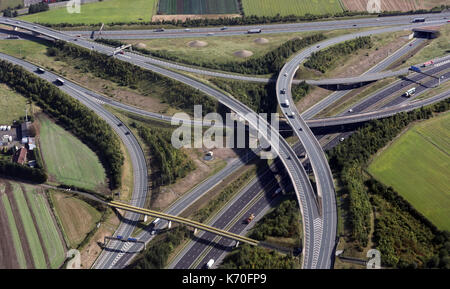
(187,30)
(350,110)
(210,34)
(342,139)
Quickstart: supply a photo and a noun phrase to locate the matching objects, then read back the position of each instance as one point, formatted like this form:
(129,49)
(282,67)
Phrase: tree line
(173,163)
(326,59)
(247,257)
(24,172)
(38,7)
(348,160)
(71,114)
(270,63)
(176,94)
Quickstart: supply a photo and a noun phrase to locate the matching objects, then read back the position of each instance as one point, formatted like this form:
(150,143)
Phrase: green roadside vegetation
(329,58)
(12,105)
(30,230)
(111,11)
(248,257)
(436,48)
(403,235)
(15,233)
(76,217)
(270,62)
(68,160)
(282,225)
(291,7)
(416,166)
(47,227)
(168,7)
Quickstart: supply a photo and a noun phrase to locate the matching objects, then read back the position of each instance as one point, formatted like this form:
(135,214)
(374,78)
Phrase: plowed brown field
(394,5)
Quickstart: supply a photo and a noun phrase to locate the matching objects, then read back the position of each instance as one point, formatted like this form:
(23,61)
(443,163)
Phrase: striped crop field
(290,7)
(171,7)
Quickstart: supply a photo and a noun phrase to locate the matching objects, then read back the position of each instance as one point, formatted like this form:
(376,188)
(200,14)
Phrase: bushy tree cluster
(23,172)
(38,7)
(246,257)
(281,222)
(326,59)
(71,114)
(174,163)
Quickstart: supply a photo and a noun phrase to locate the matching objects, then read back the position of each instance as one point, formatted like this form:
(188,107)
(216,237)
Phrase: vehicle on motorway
(251,31)
(132,239)
(410,92)
(276,193)
(285,103)
(224,28)
(34,27)
(209,264)
(250,218)
(159,30)
(290,114)
(341,139)
(283,91)
(285,74)
(127,133)
(415,20)
(428,63)
(210,34)
(156,221)
(318,46)
(350,110)
(60,81)
(119,237)
(40,70)
(187,30)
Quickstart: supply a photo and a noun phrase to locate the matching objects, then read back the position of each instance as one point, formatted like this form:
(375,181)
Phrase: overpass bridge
(184,221)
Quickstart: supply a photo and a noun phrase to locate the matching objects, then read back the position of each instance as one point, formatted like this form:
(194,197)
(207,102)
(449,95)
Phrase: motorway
(286,153)
(266,28)
(130,142)
(299,178)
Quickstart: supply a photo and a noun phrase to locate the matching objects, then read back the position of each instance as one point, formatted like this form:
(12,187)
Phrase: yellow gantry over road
(184,221)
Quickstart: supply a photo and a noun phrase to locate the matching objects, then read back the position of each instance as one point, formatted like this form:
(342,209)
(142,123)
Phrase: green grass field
(12,105)
(15,233)
(99,12)
(47,227)
(290,7)
(67,159)
(198,7)
(417,165)
(76,217)
(30,229)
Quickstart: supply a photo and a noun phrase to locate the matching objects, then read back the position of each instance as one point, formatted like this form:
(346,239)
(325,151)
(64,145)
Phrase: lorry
(410,92)
(428,63)
(209,264)
(250,218)
(415,20)
(251,31)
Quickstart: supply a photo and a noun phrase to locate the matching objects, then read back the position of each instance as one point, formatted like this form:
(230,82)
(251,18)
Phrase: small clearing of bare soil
(243,53)
(197,43)
(184,17)
(362,62)
(312,98)
(23,239)
(8,258)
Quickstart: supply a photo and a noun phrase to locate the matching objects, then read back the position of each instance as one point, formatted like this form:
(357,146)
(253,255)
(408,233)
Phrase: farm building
(20,156)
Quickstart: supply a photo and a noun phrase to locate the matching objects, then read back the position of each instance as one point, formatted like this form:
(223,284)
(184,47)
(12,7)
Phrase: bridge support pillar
(237,244)
(195,231)
(170,225)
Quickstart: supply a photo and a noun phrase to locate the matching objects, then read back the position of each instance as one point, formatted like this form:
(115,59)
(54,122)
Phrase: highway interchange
(313,261)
